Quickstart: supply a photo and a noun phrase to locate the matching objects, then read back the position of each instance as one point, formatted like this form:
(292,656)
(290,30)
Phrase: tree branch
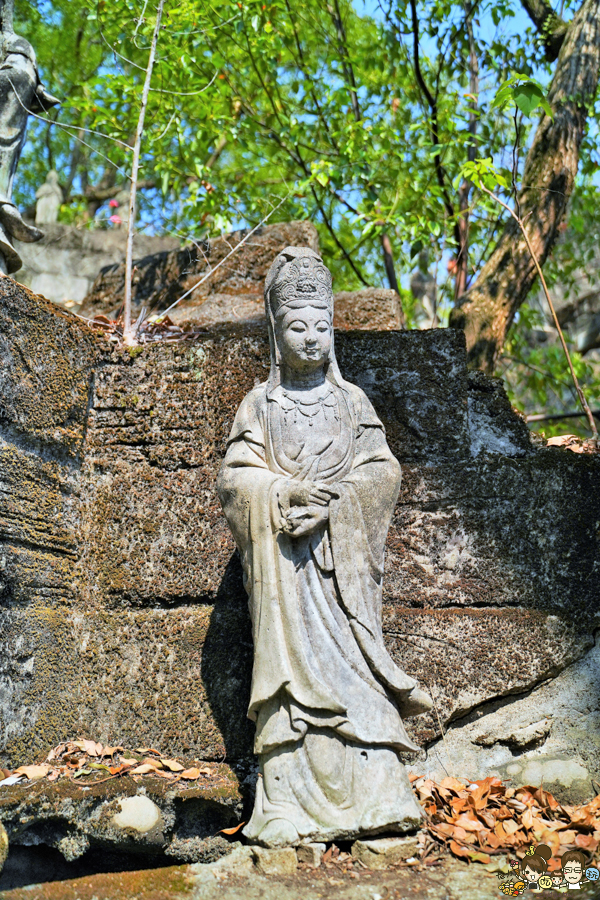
(551,27)
(487,309)
(435,137)
(462,258)
(346,62)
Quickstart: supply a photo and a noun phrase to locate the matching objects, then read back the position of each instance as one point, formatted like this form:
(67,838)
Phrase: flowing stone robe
(323,684)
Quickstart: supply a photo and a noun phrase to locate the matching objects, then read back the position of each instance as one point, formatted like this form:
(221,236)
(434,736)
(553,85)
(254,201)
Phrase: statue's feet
(278,833)
(11,219)
(415,702)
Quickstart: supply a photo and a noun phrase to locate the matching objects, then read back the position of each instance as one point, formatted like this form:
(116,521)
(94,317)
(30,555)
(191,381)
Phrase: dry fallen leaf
(110,751)
(501,819)
(172,764)
(145,769)
(231,830)
(155,763)
(33,772)
(193,773)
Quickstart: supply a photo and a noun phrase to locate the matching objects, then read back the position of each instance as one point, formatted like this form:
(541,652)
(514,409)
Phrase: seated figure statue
(308,487)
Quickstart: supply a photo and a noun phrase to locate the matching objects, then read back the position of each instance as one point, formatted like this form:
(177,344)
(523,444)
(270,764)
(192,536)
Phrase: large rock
(219,291)
(549,735)
(123,613)
(201,269)
(122,816)
(65,263)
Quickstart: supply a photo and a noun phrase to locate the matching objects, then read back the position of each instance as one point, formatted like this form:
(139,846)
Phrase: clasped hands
(304,506)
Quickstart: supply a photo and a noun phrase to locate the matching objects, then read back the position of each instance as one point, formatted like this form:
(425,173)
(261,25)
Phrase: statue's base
(12,260)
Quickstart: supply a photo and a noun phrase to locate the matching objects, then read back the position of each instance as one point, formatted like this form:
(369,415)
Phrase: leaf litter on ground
(149,330)
(83,758)
(476,820)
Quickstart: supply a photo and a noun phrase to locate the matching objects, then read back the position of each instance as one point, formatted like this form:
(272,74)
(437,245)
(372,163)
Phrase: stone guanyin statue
(308,486)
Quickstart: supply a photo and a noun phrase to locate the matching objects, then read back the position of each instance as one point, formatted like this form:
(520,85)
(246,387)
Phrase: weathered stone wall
(65,263)
(123,613)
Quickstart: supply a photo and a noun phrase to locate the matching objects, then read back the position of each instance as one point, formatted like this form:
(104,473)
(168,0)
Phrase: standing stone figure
(49,198)
(21,93)
(308,487)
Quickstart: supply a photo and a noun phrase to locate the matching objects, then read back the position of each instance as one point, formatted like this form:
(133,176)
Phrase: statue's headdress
(297,278)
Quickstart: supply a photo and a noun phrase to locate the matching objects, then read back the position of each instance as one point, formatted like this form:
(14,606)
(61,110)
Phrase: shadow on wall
(226,667)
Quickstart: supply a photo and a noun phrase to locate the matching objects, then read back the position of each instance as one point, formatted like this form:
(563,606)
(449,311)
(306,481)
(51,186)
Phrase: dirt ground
(447,880)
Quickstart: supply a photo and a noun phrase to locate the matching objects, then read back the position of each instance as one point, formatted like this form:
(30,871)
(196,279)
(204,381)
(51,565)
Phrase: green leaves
(482,172)
(525,93)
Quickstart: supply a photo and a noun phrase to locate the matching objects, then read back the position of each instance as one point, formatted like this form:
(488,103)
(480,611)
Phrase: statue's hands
(304,506)
(304,493)
(302,520)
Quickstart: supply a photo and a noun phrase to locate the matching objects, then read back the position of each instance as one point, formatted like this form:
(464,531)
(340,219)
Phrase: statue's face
(304,339)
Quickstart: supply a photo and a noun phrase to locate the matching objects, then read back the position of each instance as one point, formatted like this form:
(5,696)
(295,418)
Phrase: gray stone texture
(550,734)
(137,819)
(282,861)
(380,853)
(234,292)
(231,292)
(123,616)
(65,263)
(311,854)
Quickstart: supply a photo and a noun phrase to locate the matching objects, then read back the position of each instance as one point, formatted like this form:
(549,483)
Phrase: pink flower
(113,204)
(116,220)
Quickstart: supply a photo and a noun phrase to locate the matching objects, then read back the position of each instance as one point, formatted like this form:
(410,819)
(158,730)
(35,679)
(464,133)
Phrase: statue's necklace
(311,408)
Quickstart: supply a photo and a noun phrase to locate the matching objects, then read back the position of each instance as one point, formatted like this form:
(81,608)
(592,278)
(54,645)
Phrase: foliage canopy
(359,117)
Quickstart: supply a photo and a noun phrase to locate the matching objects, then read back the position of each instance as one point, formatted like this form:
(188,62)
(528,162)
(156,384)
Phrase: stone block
(239,861)
(124,815)
(282,861)
(370,309)
(487,647)
(162,278)
(551,732)
(46,362)
(310,854)
(417,381)
(379,853)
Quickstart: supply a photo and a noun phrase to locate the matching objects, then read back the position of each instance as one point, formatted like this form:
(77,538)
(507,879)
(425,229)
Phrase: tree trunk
(486,311)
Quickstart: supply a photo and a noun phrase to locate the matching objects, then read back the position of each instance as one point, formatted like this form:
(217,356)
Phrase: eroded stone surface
(551,734)
(163,278)
(282,861)
(119,578)
(310,854)
(380,853)
(152,818)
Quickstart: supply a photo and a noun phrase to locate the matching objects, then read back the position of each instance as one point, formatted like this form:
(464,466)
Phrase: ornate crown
(298,273)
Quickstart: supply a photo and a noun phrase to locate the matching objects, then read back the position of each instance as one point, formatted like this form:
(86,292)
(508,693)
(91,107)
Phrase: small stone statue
(21,93)
(308,487)
(49,199)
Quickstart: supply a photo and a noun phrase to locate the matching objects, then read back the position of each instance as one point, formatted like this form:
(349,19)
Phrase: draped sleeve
(248,493)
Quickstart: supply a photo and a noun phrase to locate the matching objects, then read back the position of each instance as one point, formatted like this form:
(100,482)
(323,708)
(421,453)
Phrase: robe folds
(324,688)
